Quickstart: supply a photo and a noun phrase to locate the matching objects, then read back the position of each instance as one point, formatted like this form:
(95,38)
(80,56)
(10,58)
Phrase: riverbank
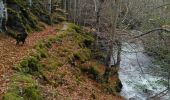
(62,67)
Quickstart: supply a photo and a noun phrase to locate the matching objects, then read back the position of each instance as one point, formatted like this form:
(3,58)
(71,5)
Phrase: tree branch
(157,29)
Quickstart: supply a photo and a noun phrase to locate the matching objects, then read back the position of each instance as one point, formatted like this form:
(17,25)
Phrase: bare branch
(158,29)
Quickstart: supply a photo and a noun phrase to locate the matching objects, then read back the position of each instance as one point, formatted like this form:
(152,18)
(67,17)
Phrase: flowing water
(137,85)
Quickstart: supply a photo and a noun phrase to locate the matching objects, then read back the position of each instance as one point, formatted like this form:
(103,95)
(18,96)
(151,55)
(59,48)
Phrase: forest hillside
(84,49)
(56,60)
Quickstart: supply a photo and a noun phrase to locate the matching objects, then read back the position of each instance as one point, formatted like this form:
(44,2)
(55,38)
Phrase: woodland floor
(11,54)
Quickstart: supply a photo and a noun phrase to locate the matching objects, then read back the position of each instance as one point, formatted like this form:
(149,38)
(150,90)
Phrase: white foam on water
(137,85)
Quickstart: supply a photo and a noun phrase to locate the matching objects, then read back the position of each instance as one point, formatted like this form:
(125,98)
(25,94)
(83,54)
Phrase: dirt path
(10,54)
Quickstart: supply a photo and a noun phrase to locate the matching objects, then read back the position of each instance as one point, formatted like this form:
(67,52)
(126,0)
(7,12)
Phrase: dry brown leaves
(11,54)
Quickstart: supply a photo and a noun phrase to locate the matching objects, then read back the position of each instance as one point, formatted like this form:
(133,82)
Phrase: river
(138,85)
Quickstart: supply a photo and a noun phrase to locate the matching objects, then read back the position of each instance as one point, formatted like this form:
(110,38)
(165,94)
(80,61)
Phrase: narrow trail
(10,54)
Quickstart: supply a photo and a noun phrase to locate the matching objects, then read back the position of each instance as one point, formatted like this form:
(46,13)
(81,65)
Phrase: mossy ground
(23,87)
(63,68)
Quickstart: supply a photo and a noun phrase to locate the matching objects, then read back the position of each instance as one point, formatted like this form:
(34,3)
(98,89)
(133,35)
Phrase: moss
(48,44)
(12,96)
(20,18)
(52,40)
(29,20)
(42,50)
(25,18)
(53,64)
(73,27)
(64,49)
(82,55)
(30,65)
(82,38)
(19,2)
(41,12)
(22,87)
(61,35)
(36,55)
(32,93)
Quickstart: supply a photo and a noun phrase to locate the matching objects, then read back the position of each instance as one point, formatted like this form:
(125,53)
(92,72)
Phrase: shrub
(30,65)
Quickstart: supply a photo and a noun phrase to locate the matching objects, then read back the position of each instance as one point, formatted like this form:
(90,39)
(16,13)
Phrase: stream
(138,85)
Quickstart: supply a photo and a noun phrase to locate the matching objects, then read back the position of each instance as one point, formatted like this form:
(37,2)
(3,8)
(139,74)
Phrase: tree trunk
(119,46)
(98,4)
(49,6)
(75,10)
(115,12)
(3,15)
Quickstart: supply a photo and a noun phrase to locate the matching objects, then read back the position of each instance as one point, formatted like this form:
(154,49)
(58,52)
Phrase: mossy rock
(42,13)
(21,19)
(29,20)
(16,2)
(15,20)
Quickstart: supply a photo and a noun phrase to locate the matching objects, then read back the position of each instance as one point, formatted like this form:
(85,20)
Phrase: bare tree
(3,15)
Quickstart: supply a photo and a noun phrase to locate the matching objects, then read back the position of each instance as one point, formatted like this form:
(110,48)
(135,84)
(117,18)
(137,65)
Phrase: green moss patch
(23,87)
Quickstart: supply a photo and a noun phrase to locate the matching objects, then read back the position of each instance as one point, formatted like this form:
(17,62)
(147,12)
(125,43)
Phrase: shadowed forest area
(84,49)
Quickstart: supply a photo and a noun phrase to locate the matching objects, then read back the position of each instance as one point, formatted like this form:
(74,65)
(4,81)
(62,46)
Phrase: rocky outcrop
(25,18)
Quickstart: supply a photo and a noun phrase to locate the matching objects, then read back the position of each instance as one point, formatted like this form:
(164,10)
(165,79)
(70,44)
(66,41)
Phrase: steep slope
(52,64)
(62,67)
